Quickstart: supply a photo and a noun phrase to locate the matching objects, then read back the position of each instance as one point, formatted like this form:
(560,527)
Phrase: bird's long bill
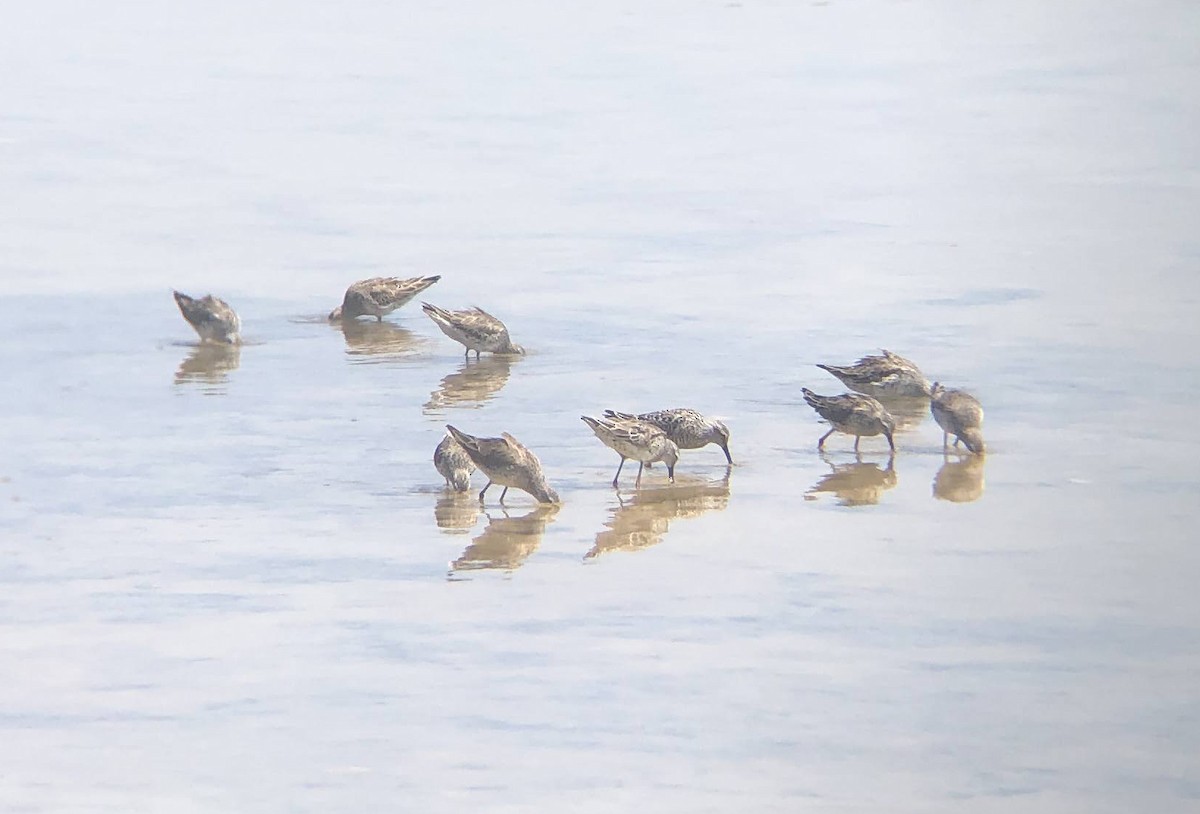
(728,457)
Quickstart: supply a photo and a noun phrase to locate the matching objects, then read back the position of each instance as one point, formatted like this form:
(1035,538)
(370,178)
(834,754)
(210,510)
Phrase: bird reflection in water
(506,542)
(855,484)
(209,363)
(456,512)
(643,520)
(475,382)
(908,412)
(960,480)
(375,342)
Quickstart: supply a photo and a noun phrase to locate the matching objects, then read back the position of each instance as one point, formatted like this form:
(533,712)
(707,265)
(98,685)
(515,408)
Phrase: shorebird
(506,461)
(888,375)
(640,440)
(853,414)
(686,427)
(474,328)
(212,318)
(960,414)
(379,296)
(454,464)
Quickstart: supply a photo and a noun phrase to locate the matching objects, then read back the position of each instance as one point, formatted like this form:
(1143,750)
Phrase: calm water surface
(232,580)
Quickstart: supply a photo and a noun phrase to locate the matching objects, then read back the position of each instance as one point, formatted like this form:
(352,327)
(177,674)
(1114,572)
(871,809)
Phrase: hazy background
(232,582)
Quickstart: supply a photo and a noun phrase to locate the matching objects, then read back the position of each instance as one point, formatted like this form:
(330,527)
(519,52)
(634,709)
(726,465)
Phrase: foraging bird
(474,328)
(379,296)
(639,440)
(884,376)
(960,414)
(853,414)
(454,464)
(688,428)
(212,318)
(506,461)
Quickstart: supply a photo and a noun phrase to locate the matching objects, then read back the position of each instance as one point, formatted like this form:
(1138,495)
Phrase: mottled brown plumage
(379,296)
(960,414)
(854,414)
(508,462)
(688,428)
(888,375)
(454,464)
(212,318)
(639,440)
(474,329)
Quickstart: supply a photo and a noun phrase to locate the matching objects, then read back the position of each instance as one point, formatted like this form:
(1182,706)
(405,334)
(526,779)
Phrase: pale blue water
(233,582)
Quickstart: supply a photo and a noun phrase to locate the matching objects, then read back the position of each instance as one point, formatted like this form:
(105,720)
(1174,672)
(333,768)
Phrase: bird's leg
(476,354)
(945,440)
(502,494)
(618,475)
(379,317)
(638,482)
(857,438)
(956,440)
(821,443)
(484,489)
(467,355)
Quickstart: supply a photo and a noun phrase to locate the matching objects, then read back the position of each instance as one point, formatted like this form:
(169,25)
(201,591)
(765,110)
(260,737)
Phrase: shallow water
(232,579)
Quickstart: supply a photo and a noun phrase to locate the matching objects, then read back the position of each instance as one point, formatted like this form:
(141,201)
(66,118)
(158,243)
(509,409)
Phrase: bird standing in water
(854,414)
(508,462)
(639,440)
(212,318)
(379,296)
(960,414)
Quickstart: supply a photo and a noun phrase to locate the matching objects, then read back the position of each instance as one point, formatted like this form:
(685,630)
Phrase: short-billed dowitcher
(212,318)
(853,414)
(688,428)
(884,376)
(454,464)
(379,296)
(474,329)
(506,461)
(640,440)
(960,414)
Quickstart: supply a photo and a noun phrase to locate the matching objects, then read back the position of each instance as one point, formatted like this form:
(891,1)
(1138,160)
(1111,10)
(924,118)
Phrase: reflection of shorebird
(474,329)
(508,462)
(688,428)
(454,464)
(853,414)
(379,296)
(209,363)
(474,383)
(506,542)
(960,414)
(907,413)
(960,481)
(377,339)
(642,521)
(639,440)
(456,513)
(883,376)
(856,484)
(212,318)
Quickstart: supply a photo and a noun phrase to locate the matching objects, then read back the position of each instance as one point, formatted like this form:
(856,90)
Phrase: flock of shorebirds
(647,438)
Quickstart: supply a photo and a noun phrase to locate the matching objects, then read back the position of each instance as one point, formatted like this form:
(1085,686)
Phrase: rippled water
(233,581)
